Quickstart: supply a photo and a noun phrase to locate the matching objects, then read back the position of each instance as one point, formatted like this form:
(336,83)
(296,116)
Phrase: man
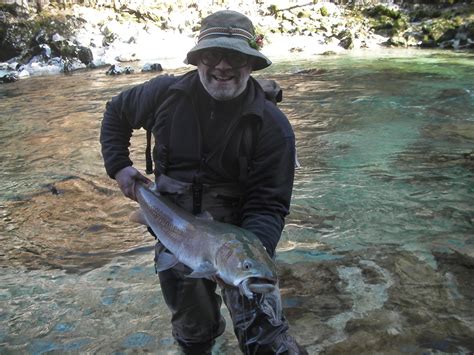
(221,147)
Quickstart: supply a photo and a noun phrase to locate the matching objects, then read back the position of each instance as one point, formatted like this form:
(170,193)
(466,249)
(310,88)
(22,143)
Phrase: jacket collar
(253,103)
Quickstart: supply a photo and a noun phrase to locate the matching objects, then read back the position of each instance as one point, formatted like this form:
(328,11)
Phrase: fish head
(247,266)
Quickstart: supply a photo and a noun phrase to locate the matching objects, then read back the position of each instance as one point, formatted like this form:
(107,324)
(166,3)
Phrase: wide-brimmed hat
(228,30)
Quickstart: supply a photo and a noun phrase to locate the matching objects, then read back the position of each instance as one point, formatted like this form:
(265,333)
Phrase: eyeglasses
(213,57)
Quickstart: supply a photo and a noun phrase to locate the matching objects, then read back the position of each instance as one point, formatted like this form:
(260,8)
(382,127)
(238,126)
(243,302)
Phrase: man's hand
(126,179)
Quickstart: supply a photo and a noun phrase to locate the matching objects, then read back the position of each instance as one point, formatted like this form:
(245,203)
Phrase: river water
(386,146)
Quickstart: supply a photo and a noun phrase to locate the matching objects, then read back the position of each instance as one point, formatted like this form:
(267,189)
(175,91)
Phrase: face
(224,74)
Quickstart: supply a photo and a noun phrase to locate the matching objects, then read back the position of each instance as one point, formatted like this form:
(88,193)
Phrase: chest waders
(194,304)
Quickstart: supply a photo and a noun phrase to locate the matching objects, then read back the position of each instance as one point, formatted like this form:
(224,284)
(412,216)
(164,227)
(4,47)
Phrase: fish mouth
(256,285)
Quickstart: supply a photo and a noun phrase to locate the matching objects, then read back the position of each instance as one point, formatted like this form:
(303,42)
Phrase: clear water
(386,144)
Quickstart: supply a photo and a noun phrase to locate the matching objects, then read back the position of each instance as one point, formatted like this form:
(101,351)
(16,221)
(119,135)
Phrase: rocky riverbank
(56,39)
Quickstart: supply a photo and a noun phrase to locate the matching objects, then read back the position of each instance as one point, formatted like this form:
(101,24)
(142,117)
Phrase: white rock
(57,37)
(24,73)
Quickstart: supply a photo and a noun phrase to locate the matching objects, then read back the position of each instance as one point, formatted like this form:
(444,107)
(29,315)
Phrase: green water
(386,145)
(386,148)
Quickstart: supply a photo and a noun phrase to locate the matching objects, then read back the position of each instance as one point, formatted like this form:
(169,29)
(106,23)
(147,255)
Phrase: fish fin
(205,269)
(138,217)
(165,261)
(205,216)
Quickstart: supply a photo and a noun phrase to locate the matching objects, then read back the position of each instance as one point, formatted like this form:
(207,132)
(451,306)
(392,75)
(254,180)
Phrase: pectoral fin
(138,217)
(206,269)
(205,216)
(165,261)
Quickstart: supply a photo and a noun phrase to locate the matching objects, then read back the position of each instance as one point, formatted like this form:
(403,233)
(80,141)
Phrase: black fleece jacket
(269,184)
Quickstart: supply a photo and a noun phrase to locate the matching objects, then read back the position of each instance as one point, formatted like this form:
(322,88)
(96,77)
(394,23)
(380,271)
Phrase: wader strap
(249,140)
(161,150)
(149,160)
(197,196)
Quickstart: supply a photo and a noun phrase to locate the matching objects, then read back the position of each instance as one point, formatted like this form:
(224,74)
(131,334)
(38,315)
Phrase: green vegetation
(381,11)
(273,10)
(324,11)
(386,21)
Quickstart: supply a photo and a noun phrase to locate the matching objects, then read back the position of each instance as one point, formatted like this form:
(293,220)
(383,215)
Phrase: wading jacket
(259,165)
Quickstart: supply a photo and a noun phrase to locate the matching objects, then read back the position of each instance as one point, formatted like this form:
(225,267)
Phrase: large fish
(211,249)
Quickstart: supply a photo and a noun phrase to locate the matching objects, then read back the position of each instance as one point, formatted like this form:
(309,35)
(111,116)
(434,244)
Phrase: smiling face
(224,74)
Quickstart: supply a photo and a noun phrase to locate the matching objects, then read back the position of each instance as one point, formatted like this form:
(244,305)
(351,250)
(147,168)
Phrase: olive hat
(228,29)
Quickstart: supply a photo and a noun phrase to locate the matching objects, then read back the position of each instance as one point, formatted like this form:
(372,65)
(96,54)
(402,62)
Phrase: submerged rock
(382,300)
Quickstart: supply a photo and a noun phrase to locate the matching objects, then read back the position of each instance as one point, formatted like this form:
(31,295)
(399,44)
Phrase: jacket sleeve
(131,109)
(270,183)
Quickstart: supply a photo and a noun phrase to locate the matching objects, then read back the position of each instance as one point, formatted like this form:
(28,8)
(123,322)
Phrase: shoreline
(85,37)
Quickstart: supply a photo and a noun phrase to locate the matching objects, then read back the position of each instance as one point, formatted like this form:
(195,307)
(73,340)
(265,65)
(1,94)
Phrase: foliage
(273,9)
(439,30)
(386,21)
(324,11)
(9,8)
(380,11)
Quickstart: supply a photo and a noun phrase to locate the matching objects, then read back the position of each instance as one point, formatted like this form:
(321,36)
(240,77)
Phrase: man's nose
(223,64)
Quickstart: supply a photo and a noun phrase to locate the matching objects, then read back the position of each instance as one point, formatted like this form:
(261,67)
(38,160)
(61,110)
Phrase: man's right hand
(126,179)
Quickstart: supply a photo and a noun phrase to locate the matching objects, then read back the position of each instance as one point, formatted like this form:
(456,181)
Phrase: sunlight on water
(386,143)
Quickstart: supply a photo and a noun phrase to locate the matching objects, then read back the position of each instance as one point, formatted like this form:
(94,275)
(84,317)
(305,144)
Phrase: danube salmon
(211,249)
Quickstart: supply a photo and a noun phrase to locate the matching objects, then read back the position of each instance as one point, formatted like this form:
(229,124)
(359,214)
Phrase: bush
(382,11)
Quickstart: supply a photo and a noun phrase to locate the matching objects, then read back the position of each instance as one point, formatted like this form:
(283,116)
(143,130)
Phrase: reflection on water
(386,145)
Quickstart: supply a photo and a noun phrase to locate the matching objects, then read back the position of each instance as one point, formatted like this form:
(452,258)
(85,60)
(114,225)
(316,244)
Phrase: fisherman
(221,146)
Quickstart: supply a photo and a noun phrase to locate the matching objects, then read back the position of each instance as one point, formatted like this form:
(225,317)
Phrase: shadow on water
(376,255)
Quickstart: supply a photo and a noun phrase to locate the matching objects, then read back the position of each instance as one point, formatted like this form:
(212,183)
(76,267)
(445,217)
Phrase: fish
(211,249)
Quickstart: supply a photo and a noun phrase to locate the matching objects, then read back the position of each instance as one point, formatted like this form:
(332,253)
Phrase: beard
(224,85)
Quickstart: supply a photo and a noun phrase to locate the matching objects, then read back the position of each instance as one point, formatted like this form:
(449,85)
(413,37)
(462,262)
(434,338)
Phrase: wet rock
(118,70)
(312,288)
(147,67)
(114,70)
(347,42)
(9,78)
(85,55)
(53,189)
(328,53)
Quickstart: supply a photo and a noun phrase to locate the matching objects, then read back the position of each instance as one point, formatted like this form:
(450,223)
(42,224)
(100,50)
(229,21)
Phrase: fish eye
(247,265)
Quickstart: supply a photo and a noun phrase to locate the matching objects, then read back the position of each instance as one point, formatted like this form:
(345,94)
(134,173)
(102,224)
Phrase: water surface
(386,144)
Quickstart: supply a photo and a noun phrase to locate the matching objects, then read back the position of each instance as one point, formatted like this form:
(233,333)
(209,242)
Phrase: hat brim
(232,43)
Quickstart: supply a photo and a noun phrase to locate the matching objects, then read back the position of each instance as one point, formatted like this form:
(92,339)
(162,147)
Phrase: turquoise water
(386,148)
(386,144)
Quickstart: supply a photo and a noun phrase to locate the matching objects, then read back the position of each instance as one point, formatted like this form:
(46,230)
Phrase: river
(386,146)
